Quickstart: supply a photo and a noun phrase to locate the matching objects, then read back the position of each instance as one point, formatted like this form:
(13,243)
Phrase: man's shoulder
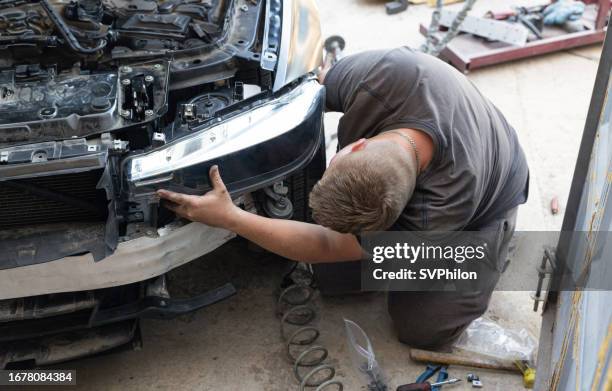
(372,59)
(406,55)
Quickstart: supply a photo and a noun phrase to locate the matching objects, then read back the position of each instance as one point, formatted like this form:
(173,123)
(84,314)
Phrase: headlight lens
(252,127)
(301,49)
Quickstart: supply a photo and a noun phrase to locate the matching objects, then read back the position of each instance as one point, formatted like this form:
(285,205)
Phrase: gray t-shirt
(478,171)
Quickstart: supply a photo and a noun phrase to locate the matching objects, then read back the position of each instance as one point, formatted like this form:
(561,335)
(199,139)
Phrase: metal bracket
(271,36)
(545,270)
(495,30)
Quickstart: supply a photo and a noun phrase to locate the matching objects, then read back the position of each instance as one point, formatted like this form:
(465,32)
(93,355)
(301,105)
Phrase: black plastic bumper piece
(155,307)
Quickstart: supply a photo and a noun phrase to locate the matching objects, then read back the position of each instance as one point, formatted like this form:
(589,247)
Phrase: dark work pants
(426,320)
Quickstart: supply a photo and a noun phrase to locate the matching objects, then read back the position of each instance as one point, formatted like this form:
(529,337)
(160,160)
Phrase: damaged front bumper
(135,260)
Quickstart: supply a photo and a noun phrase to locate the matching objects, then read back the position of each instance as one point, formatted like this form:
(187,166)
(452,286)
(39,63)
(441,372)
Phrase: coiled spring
(294,306)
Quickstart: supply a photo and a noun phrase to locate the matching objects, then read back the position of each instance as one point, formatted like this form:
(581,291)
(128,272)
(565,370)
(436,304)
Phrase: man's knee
(425,333)
(433,320)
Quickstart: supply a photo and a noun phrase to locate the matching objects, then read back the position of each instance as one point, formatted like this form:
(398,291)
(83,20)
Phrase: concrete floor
(235,345)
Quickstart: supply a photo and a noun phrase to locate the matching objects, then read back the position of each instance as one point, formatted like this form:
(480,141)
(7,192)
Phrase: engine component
(38,104)
(25,24)
(124,8)
(209,104)
(204,107)
(138,102)
(169,26)
(67,33)
(158,140)
(30,93)
(188,112)
(238,91)
(84,10)
(16,21)
(277,205)
(92,27)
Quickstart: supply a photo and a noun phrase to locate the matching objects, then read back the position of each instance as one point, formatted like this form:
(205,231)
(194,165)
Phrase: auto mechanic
(420,149)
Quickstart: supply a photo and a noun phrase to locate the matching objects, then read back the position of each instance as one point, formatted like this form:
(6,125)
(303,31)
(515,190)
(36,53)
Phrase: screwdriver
(425,386)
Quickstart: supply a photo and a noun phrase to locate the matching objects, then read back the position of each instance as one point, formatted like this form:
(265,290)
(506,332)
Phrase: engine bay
(85,84)
(95,32)
(81,68)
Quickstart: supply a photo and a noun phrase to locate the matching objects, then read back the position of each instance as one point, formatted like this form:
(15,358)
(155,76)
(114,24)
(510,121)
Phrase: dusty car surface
(102,102)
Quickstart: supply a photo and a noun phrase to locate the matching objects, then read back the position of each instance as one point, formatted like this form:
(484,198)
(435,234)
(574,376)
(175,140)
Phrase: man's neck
(422,142)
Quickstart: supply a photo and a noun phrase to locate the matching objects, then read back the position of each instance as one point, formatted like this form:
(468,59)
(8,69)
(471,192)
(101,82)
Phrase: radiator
(52,199)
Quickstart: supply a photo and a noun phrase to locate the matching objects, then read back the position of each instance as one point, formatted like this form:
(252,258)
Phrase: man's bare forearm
(296,240)
(290,239)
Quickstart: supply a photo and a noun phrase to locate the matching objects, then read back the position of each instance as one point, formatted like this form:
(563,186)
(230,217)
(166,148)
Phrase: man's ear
(358,145)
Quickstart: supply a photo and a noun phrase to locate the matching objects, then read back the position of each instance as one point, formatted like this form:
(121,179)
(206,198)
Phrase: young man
(420,149)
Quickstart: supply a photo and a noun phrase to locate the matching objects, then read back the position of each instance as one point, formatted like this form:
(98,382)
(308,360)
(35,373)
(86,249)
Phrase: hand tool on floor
(442,376)
(426,386)
(461,358)
(430,370)
(421,383)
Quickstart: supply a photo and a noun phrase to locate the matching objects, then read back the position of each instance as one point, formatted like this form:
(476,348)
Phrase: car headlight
(258,125)
(301,48)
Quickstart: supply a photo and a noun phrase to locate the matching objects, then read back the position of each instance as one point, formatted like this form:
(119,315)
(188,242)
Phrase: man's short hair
(364,191)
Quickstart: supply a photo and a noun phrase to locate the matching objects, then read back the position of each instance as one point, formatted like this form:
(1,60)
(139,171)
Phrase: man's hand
(290,239)
(214,208)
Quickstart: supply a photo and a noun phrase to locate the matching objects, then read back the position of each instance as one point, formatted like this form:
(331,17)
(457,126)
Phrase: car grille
(52,199)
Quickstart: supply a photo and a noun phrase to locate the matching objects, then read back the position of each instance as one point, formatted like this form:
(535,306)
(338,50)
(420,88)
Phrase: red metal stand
(466,52)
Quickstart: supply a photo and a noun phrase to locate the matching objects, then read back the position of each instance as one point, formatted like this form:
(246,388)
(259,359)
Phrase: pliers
(430,371)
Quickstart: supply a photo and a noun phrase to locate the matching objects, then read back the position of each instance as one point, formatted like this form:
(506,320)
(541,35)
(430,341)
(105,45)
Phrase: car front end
(103,102)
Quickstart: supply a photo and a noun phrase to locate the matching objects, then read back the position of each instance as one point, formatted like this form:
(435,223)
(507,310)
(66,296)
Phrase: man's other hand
(214,208)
